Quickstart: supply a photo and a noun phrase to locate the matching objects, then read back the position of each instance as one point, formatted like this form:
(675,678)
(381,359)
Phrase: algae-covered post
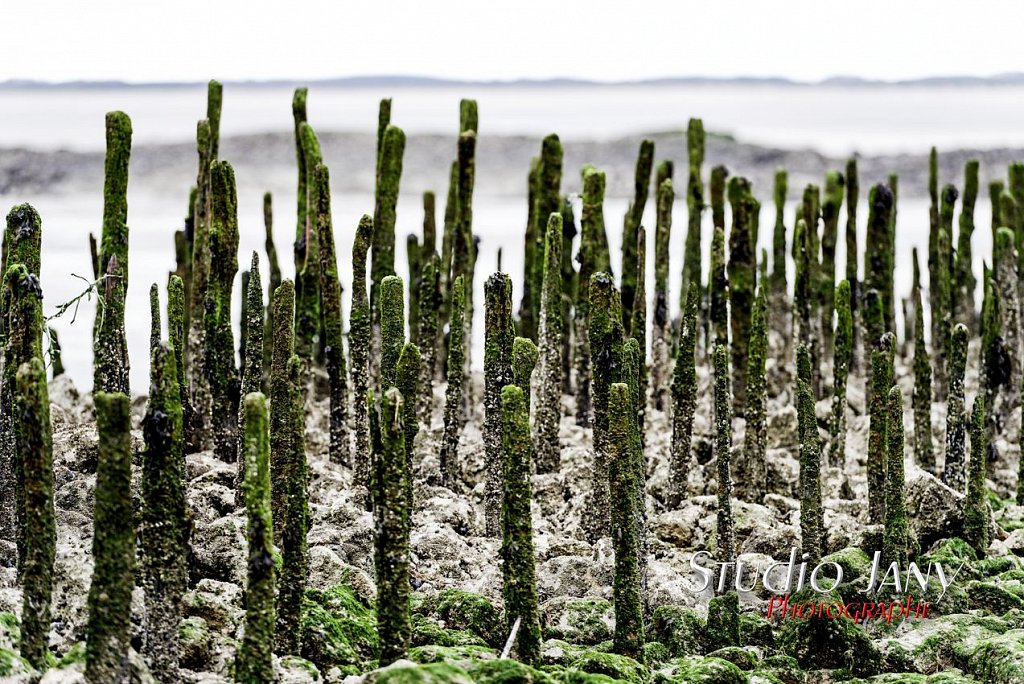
(589,256)
(852,253)
(252,359)
(549,393)
(359,334)
(753,473)
(108,631)
(295,520)
(834,185)
(333,324)
(662,328)
(499,333)
(629,629)
(694,208)
(954,473)
(684,399)
(742,273)
(894,539)
(392,328)
(221,373)
(164,523)
(36,570)
(976,510)
(519,581)
(391,541)
(842,356)
(641,184)
(453,394)
(964,282)
(548,201)
(812,528)
(922,397)
(718,287)
(254,662)
(110,346)
(429,308)
(281,434)
(779,287)
(606,339)
(726,528)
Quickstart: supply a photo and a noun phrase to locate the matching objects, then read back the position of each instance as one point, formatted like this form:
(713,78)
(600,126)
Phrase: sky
(194,40)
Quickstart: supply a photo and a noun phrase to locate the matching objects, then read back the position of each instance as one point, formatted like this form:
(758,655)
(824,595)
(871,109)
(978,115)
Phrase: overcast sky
(236,39)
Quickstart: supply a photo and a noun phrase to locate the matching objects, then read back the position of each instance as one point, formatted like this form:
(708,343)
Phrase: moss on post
(638,326)
(662,328)
(197,434)
(499,334)
(453,393)
(881,381)
(719,175)
(54,352)
(274,265)
(924,453)
(942,293)
(308,323)
(252,358)
(333,322)
(742,271)
(23,322)
(964,282)
(281,434)
(834,186)
(684,399)
(176,331)
(801,286)
(528,318)
(463,249)
(407,380)
(35,452)
(842,356)
(518,562)
(718,287)
(753,471)
(392,328)
(524,359)
(629,628)
(254,662)
(389,174)
(852,254)
(895,535)
(812,528)
(878,255)
(606,340)
(778,285)
(694,208)
(976,513)
(295,520)
(547,201)
(726,529)
(590,258)
(549,393)
(1007,295)
(641,184)
(154,315)
(392,519)
(110,346)
(164,525)
(359,347)
(954,473)
(219,365)
(108,631)
(429,307)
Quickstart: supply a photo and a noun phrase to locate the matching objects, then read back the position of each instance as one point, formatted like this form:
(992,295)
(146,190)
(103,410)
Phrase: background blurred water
(836,120)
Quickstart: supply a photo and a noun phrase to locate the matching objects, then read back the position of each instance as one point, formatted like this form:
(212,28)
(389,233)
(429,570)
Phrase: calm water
(834,120)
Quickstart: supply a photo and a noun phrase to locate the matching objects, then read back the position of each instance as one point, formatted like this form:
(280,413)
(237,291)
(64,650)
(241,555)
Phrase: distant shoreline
(1013,79)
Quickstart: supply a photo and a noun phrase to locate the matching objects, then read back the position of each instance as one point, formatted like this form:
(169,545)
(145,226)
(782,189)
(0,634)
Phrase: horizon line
(371,80)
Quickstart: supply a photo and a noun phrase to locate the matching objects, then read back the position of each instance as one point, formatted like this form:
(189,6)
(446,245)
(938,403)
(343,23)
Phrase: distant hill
(1007,79)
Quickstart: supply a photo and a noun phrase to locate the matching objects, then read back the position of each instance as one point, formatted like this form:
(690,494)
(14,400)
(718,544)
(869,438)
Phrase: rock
(741,658)
(934,511)
(295,670)
(194,643)
(615,666)
(339,629)
(586,622)
(219,604)
(706,670)
(219,550)
(681,630)
(995,597)
(820,643)
(465,611)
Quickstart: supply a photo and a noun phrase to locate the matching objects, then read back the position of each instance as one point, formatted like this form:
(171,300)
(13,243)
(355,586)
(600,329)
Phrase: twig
(511,639)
